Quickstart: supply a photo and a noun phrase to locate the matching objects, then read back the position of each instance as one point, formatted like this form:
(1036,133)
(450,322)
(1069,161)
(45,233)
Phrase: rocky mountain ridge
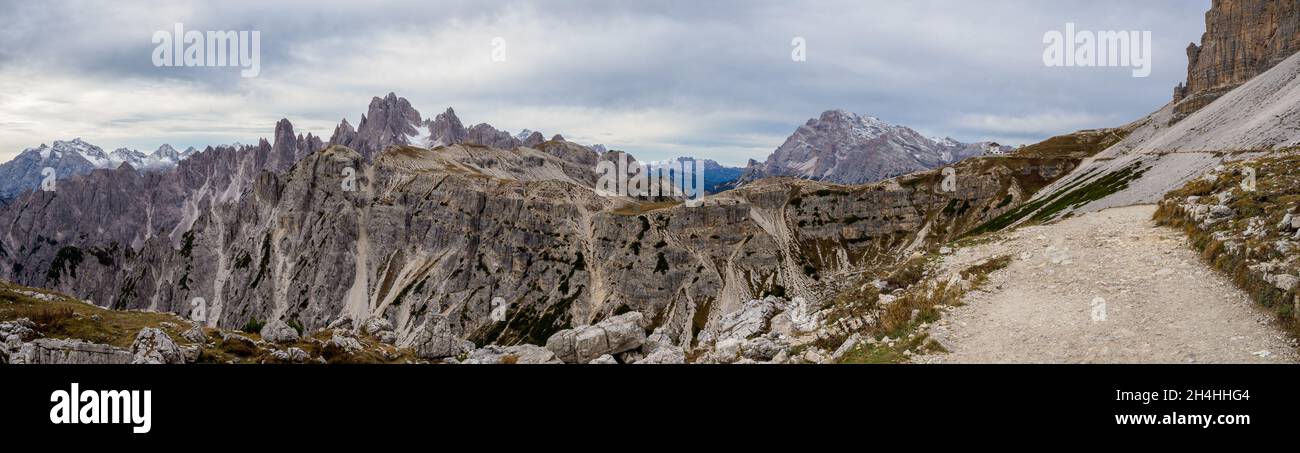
(77,157)
(430,239)
(848,148)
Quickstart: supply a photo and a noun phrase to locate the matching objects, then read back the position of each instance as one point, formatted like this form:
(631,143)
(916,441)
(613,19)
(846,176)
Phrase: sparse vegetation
(1079,145)
(1252,245)
(253,326)
(916,295)
(68,318)
(1079,192)
(642,207)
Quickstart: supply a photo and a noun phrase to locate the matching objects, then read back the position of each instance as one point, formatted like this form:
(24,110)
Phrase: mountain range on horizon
(839,147)
(406,238)
(76,157)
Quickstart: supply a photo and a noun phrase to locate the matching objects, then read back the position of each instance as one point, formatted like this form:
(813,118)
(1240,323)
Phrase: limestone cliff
(1243,38)
(445,232)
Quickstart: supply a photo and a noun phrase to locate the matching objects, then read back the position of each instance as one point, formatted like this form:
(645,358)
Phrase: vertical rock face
(484,134)
(446,129)
(425,236)
(1242,39)
(285,150)
(535,139)
(343,134)
(434,241)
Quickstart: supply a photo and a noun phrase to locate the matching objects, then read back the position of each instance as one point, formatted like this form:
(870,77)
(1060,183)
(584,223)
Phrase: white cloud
(1036,123)
(657,79)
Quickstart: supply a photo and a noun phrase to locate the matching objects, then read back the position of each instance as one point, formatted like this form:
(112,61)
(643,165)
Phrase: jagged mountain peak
(446,129)
(388,121)
(851,148)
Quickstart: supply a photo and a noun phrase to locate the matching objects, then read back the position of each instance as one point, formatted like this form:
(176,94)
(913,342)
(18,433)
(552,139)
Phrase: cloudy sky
(658,79)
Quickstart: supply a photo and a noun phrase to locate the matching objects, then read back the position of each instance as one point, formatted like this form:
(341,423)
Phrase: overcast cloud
(658,79)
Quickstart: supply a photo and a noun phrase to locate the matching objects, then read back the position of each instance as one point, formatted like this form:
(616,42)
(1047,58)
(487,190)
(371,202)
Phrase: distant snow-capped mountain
(77,157)
(848,148)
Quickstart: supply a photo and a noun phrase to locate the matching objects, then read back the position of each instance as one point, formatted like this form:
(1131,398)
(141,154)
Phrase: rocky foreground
(878,323)
(1244,218)
(42,327)
(1104,287)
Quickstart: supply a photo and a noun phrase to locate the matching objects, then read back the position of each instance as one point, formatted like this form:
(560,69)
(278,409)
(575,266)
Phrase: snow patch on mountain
(848,148)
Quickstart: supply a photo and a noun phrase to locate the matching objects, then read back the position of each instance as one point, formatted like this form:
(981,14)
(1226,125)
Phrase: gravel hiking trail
(1103,287)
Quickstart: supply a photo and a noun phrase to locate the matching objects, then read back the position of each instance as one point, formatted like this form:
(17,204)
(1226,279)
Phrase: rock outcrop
(446,129)
(153,346)
(436,340)
(483,134)
(426,240)
(1243,38)
(69,352)
(277,331)
(512,355)
(584,344)
(274,247)
(195,335)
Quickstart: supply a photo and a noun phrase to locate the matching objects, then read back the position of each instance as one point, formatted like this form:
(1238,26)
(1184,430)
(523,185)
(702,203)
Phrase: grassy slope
(65,317)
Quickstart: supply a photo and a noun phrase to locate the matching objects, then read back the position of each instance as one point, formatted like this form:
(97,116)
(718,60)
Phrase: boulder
(191,353)
(1225,198)
(669,355)
(762,349)
(153,346)
(526,354)
(345,340)
(195,335)
(23,328)
(69,352)
(847,346)
(344,321)
(291,355)
(278,331)
(604,360)
(375,326)
(230,337)
(727,351)
(1284,282)
(751,320)
(435,340)
(583,344)
(632,356)
(657,340)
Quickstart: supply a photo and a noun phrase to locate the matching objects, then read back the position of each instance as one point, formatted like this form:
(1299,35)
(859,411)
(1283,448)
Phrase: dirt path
(1105,287)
